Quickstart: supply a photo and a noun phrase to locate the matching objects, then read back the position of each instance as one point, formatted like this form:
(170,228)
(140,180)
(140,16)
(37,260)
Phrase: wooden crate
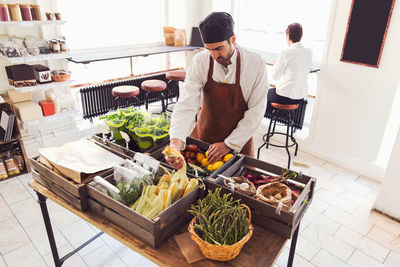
(153,232)
(69,190)
(127,152)
(263,214)
(203,146)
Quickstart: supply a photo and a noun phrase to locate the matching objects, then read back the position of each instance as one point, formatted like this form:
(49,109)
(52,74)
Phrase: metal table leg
(57,261)
(293,246)
(42,202)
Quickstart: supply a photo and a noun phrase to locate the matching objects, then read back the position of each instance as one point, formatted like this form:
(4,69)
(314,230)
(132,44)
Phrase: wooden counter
(262,249)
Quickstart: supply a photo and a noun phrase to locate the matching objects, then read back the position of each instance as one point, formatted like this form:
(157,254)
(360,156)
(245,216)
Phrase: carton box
(17,97)
(28,111)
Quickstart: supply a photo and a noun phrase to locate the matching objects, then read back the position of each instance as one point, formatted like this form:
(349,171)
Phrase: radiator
(98,100)
(298,117)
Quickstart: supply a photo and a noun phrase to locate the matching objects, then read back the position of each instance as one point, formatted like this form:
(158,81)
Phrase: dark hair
(295,32)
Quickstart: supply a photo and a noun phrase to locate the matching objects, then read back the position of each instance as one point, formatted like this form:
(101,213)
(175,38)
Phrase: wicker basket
(220,253)
(268,192)
(61,77)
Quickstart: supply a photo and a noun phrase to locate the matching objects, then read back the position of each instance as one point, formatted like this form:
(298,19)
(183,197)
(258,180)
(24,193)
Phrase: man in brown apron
(223,105)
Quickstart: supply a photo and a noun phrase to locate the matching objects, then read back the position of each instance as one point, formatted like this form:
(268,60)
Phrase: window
(101,23)
(261,24)
(93,24)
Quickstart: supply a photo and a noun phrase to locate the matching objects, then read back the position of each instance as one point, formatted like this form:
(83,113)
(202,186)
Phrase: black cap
(216,27)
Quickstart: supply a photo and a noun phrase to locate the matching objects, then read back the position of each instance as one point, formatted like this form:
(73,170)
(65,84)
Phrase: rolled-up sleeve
(256,108)
(182,119)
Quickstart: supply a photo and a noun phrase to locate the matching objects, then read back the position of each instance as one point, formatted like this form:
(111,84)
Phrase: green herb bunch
(220,220)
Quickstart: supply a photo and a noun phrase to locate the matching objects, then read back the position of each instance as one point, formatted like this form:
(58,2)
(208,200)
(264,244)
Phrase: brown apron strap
(236,98)
(237,67)
(211,69)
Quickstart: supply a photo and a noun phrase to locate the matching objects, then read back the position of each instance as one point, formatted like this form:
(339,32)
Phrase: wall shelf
(41,86)
(14,60)
(41,121)
(32,23)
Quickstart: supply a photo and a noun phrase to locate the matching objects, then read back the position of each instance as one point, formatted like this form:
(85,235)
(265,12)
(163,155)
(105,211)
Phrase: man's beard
(225,61)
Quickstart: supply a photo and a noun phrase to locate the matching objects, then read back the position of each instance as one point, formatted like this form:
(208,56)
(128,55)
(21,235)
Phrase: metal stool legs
(289,134)
(163,98)
(167,99)
(117,101)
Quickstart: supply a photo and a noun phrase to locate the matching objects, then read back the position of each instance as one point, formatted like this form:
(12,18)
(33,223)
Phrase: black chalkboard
(366,31)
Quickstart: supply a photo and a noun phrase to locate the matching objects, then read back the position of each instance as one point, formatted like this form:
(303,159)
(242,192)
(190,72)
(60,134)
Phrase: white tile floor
(338,230)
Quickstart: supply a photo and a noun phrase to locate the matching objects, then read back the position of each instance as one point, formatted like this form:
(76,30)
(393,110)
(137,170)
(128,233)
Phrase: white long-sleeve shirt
(254,85)
(291,71)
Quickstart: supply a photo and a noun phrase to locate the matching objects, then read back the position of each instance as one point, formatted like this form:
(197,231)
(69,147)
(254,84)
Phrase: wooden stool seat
(176,75)
(285,106)
(125,91)
(154,85)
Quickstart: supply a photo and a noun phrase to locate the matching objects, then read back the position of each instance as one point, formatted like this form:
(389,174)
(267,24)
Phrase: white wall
(353,102)
(389,198)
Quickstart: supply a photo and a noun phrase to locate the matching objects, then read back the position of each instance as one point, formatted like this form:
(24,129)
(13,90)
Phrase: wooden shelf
(32,23)
(41,86)
(10,141)
(36,58)
(8,106)
(42,121)
(21,173)
(86,56)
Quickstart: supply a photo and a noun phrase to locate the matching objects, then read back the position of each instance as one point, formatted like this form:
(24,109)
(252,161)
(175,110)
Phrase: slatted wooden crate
(128,152)
(153,232)
(69,190)
(203,146)
(264,214)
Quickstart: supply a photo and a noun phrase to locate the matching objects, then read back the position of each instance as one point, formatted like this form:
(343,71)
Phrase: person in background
(291,70)
(233,84)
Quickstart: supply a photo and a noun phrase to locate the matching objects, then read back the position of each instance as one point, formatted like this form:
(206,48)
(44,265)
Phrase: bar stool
(287,112)
(125,91)
(154,86)
(175,75)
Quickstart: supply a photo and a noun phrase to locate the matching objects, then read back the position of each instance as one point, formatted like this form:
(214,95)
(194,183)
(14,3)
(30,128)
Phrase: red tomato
(193,148)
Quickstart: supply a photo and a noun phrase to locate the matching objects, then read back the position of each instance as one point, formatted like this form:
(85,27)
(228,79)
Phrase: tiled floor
(338,230)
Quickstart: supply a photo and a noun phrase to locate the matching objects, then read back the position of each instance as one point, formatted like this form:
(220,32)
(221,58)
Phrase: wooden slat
(262,249)
(121,209)
(115,149)
(80,204)
(261,220)
(288,219)
(68,185)
(122,222)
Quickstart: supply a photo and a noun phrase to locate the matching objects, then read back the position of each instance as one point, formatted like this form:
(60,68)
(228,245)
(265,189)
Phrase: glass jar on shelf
(15,12)
(35,11)
(26,12)
(4,15)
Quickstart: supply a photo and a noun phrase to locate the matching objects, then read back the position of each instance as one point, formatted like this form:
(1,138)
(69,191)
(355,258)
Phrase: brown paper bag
(180,37)
(169,35)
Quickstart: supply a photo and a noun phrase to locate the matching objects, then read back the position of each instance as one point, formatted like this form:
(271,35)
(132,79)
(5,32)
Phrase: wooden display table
(262,249)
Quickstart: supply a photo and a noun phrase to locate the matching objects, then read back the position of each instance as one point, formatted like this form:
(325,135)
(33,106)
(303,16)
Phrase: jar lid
(13,5)
(32,5)
(25,5)
(2,5)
